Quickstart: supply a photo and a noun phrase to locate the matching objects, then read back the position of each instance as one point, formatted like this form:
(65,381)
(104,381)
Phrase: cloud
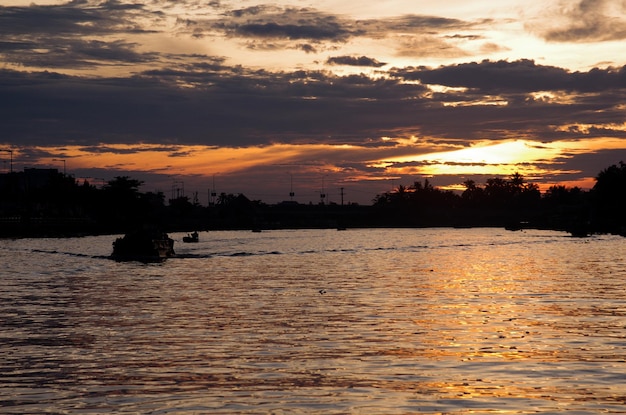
(223,107)
(73,53)
(178,83)
(76,18)
(583,21)
(266,22)
(412,24)
(76,35)
(206,102)
(418,35)
(428,46)
(354,61)
(523,75)
(89,35)
(130,149)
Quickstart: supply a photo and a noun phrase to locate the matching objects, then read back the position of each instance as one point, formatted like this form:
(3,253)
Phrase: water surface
(317,321)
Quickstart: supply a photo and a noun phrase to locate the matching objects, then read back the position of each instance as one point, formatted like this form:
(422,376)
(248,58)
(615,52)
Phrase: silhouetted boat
(144,246)
(516,225)
(579,230)
(193,237)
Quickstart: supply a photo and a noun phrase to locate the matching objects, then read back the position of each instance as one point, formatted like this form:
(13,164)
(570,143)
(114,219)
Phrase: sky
(313,98)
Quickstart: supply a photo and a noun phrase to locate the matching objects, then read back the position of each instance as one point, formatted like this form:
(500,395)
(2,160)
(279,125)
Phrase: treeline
(44,202)
(48,203)
(514,203)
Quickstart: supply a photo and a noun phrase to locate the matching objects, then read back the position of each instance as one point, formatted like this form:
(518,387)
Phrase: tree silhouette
(609,198)
(473,195)
(122,202)
(123,187)
(497,192)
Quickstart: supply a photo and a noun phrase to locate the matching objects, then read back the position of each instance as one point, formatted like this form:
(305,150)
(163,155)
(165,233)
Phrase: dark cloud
(584,164)
(272,22)
(76,18)
(329,30)
(518,76)
(355,61)
(464,37)
(278,23)
(73,53)
(224,107)
(138,149)
(64,36)
(307,47)
(209,103)
(8,46)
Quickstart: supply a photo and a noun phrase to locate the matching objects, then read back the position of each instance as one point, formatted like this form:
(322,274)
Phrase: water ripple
(364,321)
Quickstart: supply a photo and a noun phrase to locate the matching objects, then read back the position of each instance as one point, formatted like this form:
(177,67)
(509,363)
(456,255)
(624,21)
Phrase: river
(362,321)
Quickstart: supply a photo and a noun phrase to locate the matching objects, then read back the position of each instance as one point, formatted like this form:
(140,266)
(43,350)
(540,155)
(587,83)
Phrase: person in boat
(193,237)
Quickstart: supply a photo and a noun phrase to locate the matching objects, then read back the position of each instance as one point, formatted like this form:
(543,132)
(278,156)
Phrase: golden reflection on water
(364,321)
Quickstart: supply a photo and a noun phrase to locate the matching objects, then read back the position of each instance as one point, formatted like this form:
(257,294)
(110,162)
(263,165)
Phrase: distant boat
(516,225)
(143,246)
(579,230)
(193,237)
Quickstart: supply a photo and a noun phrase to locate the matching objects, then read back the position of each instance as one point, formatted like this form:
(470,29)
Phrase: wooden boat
(193,237)
(144,246)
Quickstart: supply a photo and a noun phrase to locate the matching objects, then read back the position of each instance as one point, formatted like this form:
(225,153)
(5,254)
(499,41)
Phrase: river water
(387,321)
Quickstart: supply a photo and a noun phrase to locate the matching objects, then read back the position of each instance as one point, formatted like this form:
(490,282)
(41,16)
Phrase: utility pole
(342,196)
(178,189)
(213,193)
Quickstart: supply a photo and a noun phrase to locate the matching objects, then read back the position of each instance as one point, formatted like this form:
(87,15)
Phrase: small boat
(579,232)
(516,225)
(143,246)
(579,229)
(193,237)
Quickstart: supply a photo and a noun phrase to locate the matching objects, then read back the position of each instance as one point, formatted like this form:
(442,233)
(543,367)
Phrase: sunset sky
(264,98)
